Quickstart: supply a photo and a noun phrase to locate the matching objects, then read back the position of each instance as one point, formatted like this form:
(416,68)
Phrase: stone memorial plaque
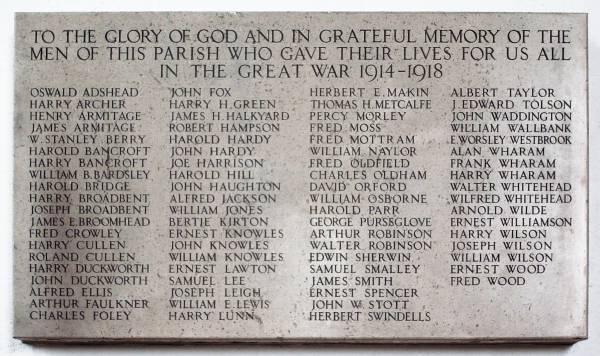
(300,177)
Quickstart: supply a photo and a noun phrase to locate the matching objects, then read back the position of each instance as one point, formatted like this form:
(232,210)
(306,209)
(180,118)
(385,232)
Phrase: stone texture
(274,303)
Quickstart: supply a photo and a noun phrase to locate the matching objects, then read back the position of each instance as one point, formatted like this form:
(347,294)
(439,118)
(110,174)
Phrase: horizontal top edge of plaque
(376,12)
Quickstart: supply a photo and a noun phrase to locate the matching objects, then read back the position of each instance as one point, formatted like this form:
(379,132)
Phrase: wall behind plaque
(10,346)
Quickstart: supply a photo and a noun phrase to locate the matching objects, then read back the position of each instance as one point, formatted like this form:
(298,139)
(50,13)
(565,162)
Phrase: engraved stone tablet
(301,177)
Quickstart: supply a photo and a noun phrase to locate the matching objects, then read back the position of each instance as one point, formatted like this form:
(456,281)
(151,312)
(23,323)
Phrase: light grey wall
(7,9)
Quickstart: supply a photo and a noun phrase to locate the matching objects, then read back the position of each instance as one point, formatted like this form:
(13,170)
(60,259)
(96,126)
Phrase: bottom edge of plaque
(287,340)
